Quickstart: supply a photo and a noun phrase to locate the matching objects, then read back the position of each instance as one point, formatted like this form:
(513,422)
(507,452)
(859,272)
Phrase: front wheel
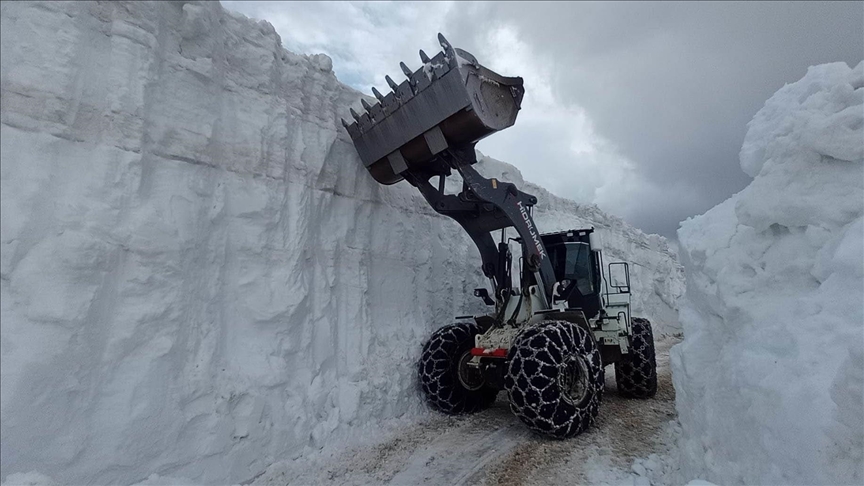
(555,378)
(450,385)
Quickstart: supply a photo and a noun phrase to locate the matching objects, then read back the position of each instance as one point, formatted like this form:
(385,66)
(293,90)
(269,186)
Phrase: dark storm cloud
(673,85)
(640,107)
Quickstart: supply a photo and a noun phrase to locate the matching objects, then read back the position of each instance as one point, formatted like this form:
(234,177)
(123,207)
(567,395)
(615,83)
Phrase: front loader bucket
(451,101)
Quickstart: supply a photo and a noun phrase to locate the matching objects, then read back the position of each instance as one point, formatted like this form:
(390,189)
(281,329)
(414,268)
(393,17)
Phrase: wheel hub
(469,376)
(573,380)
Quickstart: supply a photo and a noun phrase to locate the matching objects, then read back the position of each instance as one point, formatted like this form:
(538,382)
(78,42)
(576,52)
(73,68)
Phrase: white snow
(429,69)
(198,277)
(32,478)
(486,79)
(769,376)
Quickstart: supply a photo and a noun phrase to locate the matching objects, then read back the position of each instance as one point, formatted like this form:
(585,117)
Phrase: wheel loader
(552,327)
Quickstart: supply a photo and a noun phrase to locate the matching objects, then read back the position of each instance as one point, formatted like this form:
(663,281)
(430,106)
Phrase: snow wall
(199,277)
(768,378)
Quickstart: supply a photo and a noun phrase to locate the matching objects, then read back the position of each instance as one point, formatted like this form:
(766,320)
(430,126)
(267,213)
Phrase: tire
(636,373)
(444,388)
(555,378)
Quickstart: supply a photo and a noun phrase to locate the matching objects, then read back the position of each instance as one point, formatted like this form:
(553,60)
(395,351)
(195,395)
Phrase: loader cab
(573,259)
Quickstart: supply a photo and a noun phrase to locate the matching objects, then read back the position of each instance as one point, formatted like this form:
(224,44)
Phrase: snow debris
(769,375)
(662,467)
(486,79)
(429,69)
(197,273)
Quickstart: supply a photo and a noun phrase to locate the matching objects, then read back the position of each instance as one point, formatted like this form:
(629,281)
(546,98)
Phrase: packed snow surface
(769,375)
(198,276)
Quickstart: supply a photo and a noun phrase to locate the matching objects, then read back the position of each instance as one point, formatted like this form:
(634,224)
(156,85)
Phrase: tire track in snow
(458,455)
(625,429)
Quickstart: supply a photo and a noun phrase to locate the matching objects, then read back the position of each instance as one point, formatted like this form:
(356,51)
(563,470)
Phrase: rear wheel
(449,384)
(555,378)
(636,372)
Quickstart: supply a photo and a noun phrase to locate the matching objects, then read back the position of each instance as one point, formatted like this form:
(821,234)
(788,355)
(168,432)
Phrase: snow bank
(198,276)
(769,376)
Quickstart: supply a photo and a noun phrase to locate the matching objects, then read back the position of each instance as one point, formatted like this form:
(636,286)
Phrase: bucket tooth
(405,70)
(390,83)
(412,79)
(423,57)
(377,94)
(354,114)
(449,52)
(366,105)
(444,44)
(344,123)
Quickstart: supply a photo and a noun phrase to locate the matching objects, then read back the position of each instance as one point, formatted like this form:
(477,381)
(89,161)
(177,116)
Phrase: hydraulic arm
(487,205)
(427,126)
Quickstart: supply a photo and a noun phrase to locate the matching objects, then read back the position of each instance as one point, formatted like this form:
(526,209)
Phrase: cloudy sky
(640,108)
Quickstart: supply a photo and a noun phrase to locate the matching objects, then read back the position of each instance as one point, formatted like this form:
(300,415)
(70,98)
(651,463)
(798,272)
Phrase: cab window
(572,261)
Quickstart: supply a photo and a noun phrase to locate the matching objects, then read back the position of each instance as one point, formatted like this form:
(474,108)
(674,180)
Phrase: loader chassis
(605,315)
(548,338)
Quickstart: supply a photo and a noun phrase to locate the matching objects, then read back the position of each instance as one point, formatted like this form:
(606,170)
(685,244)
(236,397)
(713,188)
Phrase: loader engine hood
(450,101)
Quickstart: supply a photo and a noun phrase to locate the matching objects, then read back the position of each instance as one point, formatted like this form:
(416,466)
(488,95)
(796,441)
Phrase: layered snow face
(199,277)
(769,376)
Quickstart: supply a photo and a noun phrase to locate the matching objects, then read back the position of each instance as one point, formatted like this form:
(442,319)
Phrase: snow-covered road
(493,447)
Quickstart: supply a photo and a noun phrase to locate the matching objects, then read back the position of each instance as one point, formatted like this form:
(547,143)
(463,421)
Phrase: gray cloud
(640,108)
(673,85)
